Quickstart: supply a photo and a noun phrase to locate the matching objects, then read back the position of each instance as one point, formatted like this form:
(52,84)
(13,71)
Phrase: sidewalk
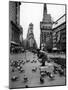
(52,55)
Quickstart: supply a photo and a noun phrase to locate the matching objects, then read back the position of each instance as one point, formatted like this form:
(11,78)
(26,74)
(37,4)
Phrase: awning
(12,42)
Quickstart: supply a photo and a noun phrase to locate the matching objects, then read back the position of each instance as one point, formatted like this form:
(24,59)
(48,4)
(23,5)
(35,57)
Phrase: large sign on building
(44,25)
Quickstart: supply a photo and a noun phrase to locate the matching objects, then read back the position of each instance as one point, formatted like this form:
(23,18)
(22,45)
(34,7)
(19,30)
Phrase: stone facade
(59,34)
(46,30)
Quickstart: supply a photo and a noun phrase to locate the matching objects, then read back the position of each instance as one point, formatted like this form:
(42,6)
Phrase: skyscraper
(46,30)
(31,42)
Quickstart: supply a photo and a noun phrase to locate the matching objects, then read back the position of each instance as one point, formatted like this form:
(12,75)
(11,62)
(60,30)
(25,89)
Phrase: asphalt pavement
(32,75)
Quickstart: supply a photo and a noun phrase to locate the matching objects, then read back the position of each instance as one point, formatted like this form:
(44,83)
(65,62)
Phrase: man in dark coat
(42,56)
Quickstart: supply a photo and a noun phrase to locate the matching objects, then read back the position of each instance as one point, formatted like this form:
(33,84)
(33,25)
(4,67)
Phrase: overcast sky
(31,12)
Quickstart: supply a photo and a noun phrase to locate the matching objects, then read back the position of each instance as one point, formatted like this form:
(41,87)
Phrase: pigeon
(26,86)
(13,69)
(35,61)
(21,70)
(41,80)
(61,72)
(34,69)
(25,79)
(23,62)
(31,61)
(51,76)
(18,67)
(14,78)
(42,73)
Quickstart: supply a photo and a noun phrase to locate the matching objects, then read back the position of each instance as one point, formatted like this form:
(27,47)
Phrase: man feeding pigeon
(43,56)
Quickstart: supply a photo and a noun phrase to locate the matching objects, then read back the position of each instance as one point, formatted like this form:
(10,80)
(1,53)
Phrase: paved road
(33,77)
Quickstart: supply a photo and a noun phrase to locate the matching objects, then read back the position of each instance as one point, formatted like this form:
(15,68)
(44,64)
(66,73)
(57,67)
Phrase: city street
(37,44)
(33,77)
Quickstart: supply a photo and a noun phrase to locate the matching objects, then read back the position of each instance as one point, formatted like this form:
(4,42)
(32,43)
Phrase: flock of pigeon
(18,65)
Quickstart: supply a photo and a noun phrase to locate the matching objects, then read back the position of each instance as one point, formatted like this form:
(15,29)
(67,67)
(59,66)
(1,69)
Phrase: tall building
(46,30)
(15,30)
(30,40)
(59,33)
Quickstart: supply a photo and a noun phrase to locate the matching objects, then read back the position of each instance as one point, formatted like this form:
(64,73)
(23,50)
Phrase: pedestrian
(42,56)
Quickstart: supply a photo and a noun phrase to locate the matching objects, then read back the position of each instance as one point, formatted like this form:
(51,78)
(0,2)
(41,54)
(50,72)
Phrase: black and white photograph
(37,44)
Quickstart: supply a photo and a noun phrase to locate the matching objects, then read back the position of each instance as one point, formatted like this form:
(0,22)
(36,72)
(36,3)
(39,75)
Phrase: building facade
(59,34)
(30,40)
(15,30)
(46,30)
(17,33)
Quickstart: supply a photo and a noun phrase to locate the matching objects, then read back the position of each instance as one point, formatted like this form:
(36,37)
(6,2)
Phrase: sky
(33,13)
